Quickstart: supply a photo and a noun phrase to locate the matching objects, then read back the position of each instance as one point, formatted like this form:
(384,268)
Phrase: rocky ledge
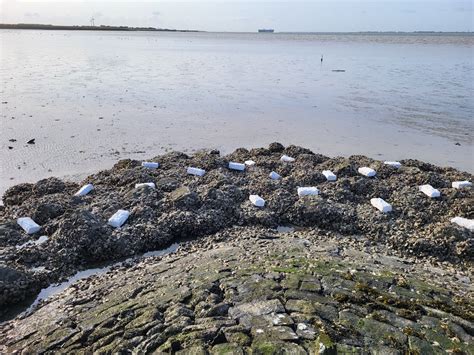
(348,278)
(254,290)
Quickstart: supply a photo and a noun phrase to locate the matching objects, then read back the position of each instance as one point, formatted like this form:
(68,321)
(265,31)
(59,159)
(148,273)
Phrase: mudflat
(90,98)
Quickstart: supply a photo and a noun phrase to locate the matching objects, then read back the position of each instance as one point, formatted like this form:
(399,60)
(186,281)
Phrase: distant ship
(267,30)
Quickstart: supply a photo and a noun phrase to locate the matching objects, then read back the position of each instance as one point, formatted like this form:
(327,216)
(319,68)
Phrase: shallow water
(91,98)
(285,229)
(56,288)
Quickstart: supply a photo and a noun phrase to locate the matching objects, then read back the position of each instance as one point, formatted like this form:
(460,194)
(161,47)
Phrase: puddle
(171,249)
(41,240)
(285,229)
(56,288)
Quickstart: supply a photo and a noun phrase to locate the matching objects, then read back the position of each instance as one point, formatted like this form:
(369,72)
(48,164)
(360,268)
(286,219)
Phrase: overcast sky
(246,15)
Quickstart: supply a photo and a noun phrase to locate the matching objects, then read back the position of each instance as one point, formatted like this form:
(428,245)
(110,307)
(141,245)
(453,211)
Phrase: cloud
(156,13)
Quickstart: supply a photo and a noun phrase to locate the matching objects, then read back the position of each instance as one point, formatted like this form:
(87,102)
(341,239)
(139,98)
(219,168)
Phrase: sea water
(88,97)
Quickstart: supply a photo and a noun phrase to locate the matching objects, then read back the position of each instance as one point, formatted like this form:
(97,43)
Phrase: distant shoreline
(398,33)
(27,26)
(35,26)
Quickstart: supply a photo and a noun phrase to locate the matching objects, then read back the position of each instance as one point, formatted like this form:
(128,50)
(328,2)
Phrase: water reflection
(54,289)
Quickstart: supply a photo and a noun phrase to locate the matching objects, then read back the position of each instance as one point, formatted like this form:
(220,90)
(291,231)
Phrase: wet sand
(57,153)
(114,96)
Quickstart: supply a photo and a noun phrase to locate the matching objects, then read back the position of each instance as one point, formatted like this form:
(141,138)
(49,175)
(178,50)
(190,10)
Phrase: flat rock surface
(240,291)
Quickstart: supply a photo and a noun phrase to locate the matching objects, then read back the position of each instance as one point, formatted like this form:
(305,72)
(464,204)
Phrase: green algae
(264,348)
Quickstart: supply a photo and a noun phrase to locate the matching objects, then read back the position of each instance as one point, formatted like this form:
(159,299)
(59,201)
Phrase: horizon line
(150,28)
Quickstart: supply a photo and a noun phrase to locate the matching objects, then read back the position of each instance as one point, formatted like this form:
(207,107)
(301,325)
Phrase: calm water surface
(29,305)
(91,98)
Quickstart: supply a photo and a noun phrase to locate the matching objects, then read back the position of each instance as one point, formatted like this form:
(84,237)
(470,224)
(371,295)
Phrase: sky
(248,16)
